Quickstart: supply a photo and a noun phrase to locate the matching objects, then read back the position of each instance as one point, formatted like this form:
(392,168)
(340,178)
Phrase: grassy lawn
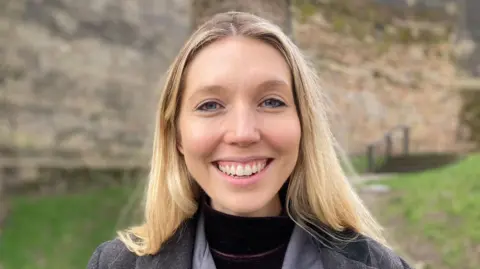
(443,207)
(60,232)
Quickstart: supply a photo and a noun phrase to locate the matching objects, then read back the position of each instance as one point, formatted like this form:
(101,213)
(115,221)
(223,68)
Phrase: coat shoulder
(112,254)
(372,254)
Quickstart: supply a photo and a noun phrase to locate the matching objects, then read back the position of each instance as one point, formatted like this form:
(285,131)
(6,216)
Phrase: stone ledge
(91,162)
(467,84)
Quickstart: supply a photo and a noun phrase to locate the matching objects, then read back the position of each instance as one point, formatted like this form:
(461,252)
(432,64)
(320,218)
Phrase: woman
(244,172)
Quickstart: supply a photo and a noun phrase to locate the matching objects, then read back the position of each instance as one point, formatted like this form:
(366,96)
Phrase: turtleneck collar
(236,235)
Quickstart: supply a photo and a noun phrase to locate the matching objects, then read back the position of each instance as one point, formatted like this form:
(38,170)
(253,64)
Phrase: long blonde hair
(319,193)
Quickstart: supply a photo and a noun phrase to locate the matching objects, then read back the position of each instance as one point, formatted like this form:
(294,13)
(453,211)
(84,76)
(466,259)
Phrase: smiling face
(239,130)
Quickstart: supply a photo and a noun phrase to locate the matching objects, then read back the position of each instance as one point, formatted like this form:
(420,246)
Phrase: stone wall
(82,76)
(468,59)
(376,85)
(468,39)
(277,11)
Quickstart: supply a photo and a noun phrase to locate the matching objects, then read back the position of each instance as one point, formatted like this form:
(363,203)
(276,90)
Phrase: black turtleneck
(247,242)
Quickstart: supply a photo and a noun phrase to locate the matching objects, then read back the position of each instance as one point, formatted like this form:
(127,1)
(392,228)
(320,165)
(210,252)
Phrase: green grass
(60,232)
(444,206)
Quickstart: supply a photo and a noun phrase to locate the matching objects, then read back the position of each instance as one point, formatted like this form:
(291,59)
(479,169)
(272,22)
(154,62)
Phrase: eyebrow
(217,89)
(209,89)
(273,83)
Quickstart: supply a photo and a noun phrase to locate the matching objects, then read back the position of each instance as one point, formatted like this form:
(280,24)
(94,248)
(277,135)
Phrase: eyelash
(280,103)
(207,103)
(201,107)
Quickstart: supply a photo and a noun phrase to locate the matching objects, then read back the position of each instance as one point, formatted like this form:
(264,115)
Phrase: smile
(242,169)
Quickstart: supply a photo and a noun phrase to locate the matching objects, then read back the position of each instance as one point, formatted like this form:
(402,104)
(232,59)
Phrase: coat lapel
(177,252)
(301,252)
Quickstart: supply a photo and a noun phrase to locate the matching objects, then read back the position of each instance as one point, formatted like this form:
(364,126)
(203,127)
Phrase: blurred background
(79,82)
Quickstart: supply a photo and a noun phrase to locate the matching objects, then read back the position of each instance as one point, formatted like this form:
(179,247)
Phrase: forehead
(236,62)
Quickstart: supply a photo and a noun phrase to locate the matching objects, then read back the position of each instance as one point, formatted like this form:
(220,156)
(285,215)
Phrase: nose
(242,127)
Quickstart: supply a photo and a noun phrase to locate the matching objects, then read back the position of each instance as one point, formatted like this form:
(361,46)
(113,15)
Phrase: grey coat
(188,249)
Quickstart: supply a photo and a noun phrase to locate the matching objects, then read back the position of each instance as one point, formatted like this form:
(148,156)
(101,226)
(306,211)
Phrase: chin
(246,206)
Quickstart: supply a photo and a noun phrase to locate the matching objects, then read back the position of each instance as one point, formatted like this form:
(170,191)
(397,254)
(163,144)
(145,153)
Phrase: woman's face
(239,131)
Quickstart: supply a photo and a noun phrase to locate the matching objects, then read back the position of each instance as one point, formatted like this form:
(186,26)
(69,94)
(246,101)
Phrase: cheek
(284,135)
(197,141)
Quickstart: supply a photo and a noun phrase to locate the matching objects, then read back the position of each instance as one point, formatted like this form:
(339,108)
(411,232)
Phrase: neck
(273,208)
(233,234)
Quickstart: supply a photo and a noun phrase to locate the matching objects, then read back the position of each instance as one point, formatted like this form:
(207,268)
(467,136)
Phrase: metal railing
(387,141)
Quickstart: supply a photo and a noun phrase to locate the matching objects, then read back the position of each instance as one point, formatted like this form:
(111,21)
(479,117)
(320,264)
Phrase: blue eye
(209,106)
(273,103)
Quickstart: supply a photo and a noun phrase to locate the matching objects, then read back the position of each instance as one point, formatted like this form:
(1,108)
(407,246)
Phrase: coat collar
(303,251)
(187,249)
(177,252)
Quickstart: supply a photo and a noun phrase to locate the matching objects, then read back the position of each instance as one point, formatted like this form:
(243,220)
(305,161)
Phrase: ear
(179,144)
(180,148)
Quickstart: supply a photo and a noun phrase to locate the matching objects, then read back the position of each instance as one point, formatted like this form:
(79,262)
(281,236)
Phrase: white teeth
(254,168)
(242,170)
(239,171)
(248,170)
